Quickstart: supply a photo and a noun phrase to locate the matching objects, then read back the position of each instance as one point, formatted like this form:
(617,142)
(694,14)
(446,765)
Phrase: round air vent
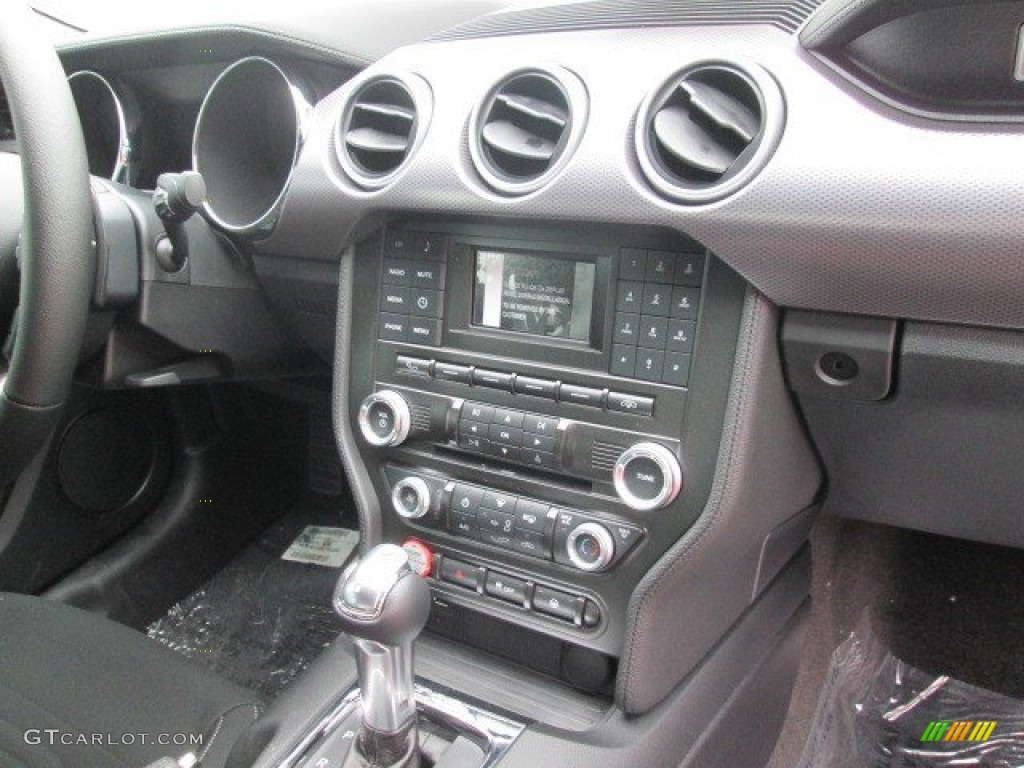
(524,132)
(709,130)
(380,128)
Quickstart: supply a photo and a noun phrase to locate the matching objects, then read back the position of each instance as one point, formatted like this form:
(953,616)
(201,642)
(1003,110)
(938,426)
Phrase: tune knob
(384,418)
(411,497)
(647,476)
(590,547)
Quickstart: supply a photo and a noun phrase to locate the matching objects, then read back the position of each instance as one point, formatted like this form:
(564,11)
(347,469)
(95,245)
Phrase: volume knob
(647,476)
(384,418)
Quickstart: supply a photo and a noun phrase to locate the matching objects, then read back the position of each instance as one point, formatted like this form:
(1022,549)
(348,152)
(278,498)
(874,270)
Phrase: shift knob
(380,598)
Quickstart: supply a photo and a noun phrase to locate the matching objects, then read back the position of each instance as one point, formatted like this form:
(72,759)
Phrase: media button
(539,442)
(423,331)
(400,244)
(571,393)
(477,412)
(393,327)
(505,435)
(394,299)
(425,274)
(492,379)
(503,451)
(636,405)
(507,418)
(527,385)
(541,459)
(458,374)
(425,302)
(473,429)
(473,443)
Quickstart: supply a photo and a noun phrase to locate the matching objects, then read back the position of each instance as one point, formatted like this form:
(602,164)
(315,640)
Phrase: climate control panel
(513,523)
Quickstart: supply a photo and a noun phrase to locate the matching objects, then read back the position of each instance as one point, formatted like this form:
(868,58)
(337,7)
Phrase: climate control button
(411,497)
(590,547)
(647,476)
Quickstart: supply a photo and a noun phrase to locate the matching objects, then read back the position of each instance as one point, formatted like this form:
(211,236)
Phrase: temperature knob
(384,419)
(647,476)
(411,497)
(590,547)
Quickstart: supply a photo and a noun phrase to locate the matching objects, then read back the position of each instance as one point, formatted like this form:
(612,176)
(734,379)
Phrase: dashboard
(575,268)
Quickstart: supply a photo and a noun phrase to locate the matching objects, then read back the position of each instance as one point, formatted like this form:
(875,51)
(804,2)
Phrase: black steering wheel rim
(58,259)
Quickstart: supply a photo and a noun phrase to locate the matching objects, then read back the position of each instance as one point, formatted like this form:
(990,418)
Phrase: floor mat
(262,619)
(876,711)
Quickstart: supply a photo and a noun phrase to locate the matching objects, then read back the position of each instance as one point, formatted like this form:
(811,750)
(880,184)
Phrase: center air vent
(380,127)
(708,131)
(522,134)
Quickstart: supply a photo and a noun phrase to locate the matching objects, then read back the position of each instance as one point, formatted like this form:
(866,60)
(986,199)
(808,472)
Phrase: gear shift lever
(383,606)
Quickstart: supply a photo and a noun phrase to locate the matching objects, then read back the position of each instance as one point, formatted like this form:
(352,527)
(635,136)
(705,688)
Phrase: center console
(536,408)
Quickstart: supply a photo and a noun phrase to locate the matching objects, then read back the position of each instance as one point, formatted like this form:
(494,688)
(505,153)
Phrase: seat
(80,691)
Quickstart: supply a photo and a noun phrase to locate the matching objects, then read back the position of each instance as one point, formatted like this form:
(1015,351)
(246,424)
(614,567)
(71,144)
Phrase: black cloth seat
(80,691)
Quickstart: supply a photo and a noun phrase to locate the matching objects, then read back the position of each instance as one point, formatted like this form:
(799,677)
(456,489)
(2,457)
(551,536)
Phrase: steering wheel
(57,254)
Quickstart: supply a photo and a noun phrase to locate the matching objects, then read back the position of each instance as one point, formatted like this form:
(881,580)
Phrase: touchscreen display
(534,294)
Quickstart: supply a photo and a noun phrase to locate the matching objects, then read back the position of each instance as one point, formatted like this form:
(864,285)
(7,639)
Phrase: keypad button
(466,498)
(631,296)
(394,299)
(661,267)
(393,327)
(541,425)
(424,302)
(677,369)
(653,331)
(649,364)
(680,335)
(424,331)
(508,418)
(539,442)
(689,269)
(632,264)
(684,302)
(636,405)
(477,412)
(657,300)
(531,515)
(505,435)
(626,328)
(623,360)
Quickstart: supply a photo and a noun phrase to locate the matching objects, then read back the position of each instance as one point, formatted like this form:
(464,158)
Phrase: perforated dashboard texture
(861,209)
(782,14)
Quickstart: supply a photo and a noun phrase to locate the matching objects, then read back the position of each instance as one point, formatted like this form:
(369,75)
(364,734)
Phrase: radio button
(502,502)
(426,275)
(531,515)
(459,374)
(464,524)
(394,299)
(527,385)
(502,451)
(549,601)
(540,425)
(539,443)
(623,360)
(466,498)
(506,435)
(478,412)
(571,393)
(632,404)
(424,302)
(492,379)
(506,588)
(529,543)
(492,521)
(423,331)
(396,272)
(508,418)
(393,327)
(542,459)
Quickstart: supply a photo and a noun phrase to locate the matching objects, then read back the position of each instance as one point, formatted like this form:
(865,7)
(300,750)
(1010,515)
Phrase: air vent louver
(526,128)
(708,131)
(379,129)
(6,121)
